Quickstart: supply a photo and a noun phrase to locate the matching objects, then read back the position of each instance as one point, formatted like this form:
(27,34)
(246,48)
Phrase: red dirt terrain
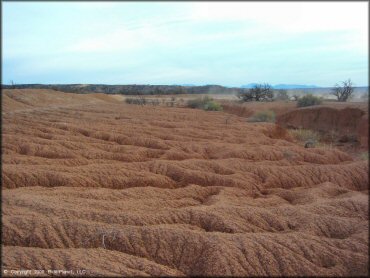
(91,183)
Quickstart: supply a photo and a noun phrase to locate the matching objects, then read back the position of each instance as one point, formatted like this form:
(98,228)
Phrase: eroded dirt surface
(92,183)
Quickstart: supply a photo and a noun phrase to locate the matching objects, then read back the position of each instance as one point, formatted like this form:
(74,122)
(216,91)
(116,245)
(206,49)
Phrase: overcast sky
(226,43)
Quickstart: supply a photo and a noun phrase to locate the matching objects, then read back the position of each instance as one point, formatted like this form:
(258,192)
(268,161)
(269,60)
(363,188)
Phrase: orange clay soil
(92,183)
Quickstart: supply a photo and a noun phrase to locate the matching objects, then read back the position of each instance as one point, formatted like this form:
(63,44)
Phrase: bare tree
(344,92)
(260,92)
(140,96)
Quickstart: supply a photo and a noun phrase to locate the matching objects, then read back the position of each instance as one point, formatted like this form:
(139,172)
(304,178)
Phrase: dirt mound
(22,99)
(95,185)
(343,122)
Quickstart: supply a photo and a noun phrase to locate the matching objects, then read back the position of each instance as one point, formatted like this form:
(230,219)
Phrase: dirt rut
(93,183)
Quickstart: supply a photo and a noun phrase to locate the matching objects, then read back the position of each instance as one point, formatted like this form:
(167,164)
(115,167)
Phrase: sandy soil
(91,183)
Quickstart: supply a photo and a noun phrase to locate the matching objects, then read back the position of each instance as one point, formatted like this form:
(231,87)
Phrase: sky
(224,43)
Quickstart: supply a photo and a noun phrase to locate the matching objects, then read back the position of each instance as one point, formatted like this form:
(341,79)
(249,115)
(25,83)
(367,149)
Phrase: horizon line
(181,85)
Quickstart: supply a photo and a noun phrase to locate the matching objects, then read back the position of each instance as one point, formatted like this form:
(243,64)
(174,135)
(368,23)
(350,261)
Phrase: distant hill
(294,86)
(185,85)
(173,89)
(130,89)
(248,86)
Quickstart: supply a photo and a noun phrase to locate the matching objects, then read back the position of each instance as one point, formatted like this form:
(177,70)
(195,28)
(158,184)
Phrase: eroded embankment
(129,190)
(344,121)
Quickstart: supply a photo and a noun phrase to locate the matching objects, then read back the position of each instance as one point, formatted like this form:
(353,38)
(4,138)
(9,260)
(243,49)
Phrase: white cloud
(114,40)
(263,21)
(288,16)
(125,38)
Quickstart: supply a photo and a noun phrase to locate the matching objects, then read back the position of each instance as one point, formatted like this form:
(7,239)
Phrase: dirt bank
(344,122)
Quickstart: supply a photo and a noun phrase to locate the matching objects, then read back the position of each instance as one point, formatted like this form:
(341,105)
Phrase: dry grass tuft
(263,116)
(305,135)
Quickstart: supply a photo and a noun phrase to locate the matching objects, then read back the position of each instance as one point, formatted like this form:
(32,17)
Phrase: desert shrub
(263,116)
(212,106)
(305,135)
(129,100)
(205,103)
(138,101)
(308,100)
(194,103)
(330,136)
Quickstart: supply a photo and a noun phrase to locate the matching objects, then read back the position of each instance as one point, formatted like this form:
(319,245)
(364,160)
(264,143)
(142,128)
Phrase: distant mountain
(188,85)
(282,86)
(293,86)
(248,86)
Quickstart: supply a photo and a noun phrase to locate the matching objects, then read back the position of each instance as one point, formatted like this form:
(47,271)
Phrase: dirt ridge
(93,183)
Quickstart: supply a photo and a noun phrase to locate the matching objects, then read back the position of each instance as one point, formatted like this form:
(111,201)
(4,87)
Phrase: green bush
(263,116)
(212,106)
(309,100)
(196,103)
(205,103)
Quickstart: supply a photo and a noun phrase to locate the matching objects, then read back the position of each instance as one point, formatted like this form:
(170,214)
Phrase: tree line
(259,92)
(264,92)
